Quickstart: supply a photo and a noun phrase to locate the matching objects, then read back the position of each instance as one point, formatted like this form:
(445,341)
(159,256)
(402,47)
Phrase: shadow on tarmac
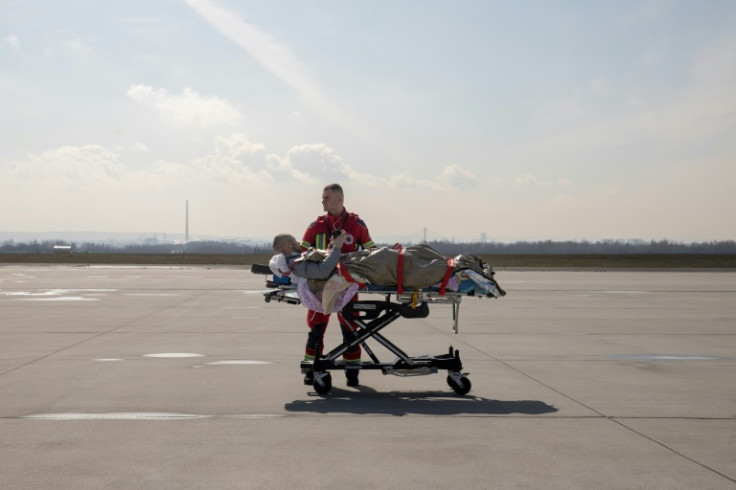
(368,401)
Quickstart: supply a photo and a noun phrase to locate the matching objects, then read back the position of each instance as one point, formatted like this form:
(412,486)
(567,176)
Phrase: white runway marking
(143,416)
(624,292)
(152,294)
(174,355)
(115,416)
(106,360)
(236,362)
(255,416)
(62,298)
(638,357)
(56,294)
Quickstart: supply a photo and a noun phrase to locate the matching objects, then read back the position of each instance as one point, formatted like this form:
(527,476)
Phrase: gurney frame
(367,318)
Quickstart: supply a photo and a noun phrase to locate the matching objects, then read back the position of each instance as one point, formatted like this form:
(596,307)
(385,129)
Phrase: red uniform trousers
(317,323)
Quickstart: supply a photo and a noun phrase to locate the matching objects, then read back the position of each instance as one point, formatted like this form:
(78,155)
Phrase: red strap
(400,272)
(448,273)
(343,272)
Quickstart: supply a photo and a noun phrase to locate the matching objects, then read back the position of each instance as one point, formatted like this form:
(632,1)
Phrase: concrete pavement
(183,377)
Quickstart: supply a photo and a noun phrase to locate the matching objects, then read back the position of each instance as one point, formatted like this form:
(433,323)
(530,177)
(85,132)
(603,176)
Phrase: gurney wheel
(322,384)
(461,386)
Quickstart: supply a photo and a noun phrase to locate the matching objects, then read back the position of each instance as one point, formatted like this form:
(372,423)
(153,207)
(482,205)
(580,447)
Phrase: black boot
(352,377)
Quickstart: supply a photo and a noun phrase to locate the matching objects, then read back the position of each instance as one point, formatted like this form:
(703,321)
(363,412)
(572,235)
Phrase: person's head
(285,244)
(333,199)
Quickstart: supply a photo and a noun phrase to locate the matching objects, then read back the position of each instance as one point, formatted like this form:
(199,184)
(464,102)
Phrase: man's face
(332,202)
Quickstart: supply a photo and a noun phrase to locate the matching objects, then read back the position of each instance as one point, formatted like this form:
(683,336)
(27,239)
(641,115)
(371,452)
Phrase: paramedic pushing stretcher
(356,236)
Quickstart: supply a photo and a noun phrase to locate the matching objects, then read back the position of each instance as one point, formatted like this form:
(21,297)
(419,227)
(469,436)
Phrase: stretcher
(369,317)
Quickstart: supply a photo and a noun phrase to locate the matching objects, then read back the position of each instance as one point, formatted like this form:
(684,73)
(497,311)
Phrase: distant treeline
(204,247)
(603,247)
(547,247)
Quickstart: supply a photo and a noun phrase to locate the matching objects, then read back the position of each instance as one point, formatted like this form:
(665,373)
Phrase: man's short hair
(334,188)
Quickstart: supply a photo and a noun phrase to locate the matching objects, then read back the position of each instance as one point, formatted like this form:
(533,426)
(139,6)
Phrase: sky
(509,120)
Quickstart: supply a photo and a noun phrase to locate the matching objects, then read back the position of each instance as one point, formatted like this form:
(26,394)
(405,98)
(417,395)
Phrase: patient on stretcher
(327,280)
(289,261)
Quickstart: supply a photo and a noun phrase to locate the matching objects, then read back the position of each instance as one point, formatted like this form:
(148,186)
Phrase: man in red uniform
(318,235)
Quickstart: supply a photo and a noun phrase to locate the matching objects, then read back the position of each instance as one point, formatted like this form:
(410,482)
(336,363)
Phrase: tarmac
(137,377)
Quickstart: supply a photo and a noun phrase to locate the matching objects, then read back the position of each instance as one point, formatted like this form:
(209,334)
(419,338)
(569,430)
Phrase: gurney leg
(455,316)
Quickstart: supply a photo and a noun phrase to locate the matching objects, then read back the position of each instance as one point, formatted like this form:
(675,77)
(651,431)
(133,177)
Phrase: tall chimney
(186,226)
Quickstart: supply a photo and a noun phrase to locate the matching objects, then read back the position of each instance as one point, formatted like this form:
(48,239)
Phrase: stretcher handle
(260,269)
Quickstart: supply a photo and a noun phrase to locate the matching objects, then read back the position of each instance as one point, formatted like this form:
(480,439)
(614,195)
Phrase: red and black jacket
(320,230)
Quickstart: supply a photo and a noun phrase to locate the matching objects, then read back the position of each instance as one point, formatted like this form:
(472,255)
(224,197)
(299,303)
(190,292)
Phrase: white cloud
(187,109)
(75,50)
(141,147)
(318,162)
(456,177)
(74,166)
(405,180)
(564,181)
(528,180)
(275,57)
(13,41)
(238,145)
(280,61)
(78,46)
(229,170)
(136,147)
(235,160)
(523,180)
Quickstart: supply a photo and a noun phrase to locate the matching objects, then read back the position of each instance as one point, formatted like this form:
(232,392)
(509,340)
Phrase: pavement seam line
(88,339)
(674,451)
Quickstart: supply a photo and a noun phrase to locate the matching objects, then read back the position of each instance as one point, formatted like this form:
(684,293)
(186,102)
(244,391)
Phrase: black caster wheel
(322,383)
(461,386)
